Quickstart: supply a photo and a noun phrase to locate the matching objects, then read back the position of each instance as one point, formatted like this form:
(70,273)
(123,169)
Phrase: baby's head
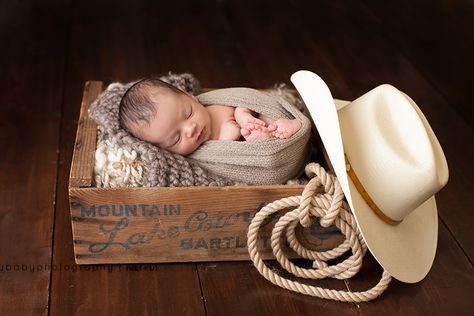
(159,113)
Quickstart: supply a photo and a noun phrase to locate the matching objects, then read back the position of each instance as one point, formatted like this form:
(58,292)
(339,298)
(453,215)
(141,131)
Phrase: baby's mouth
(202,133)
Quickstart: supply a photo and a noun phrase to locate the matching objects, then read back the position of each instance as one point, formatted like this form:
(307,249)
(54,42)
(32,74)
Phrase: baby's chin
(208,133)
(184,152)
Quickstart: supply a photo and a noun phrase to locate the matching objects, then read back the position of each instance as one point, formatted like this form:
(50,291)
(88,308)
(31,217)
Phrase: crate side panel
(139,225)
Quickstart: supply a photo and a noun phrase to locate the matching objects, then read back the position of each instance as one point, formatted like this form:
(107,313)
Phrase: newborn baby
(172,119)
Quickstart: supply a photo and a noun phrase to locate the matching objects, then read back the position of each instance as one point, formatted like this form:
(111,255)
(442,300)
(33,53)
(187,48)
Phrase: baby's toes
(277,134)
(272,127)
(258,127)
(259,122)
(282,134)
(250,127)
(244,131)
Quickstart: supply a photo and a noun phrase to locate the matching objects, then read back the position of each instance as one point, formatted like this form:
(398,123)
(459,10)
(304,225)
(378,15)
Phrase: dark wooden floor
(49,50)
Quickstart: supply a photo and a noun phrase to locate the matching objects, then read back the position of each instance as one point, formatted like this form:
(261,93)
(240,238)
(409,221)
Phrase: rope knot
(332,192)
(335,205)
(306,201)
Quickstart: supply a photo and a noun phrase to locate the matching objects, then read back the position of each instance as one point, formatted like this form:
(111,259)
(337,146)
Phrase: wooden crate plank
(32,38)
(108,43)
(83,159)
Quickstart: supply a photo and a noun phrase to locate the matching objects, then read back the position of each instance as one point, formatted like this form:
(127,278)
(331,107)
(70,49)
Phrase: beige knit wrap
(268,161)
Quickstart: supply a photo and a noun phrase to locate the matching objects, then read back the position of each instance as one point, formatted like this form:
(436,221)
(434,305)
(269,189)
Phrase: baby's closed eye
(176,140)
(190,112)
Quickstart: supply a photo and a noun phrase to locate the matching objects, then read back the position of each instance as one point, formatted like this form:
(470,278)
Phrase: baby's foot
(285,128)
(255,132)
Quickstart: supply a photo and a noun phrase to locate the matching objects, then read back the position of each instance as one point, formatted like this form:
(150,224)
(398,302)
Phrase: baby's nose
(191,129)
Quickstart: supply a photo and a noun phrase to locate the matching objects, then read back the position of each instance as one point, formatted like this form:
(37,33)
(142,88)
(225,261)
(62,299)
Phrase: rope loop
(331,209)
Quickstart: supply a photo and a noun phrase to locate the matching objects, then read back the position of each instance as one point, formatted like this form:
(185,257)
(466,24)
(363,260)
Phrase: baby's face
(181,123)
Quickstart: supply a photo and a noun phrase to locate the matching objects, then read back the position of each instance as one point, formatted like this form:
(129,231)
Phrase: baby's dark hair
(136,106)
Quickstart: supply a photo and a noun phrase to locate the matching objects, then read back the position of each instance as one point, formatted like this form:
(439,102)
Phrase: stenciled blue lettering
(133,239)
(99,247)
(88,212)
(199,220)
(172,209)
(130,209)
(117,210)
(104,210)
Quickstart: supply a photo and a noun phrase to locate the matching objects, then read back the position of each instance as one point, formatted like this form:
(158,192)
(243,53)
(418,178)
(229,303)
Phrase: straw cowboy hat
(389,164)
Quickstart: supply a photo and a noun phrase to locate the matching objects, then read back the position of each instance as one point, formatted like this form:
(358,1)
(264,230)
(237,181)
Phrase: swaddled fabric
(268,161)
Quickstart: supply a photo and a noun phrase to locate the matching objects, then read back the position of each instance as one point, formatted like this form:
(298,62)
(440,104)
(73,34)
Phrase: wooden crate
(162,224)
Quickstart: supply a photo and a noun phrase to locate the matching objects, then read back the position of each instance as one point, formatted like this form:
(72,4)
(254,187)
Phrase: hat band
(366,196)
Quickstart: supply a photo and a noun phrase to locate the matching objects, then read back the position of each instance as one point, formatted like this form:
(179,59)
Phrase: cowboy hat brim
(406,250)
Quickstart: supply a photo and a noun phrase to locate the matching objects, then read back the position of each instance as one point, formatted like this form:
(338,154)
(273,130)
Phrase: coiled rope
(331,209)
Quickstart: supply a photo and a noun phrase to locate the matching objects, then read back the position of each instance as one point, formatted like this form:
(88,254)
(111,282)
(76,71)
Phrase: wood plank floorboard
(236,288)
(32,41)
(196,37)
